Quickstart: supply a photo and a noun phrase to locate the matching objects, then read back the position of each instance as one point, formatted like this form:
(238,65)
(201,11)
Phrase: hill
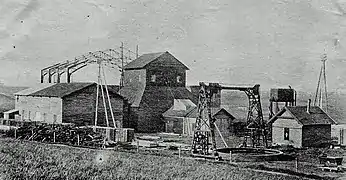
(7,97)
(10,90)
(6,103)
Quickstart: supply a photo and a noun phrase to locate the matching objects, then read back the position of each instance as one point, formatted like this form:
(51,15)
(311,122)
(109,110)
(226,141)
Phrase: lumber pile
(64,134)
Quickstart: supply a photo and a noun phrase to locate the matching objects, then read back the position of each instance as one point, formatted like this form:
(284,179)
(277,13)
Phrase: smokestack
(308,106)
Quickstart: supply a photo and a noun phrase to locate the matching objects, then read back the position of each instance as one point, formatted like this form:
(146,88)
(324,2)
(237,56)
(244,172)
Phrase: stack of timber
(71,135)
(115,134)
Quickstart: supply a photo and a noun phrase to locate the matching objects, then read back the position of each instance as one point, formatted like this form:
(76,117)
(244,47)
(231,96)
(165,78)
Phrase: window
(178,79)
(153,78)
(139,78)
(286,134)
(29,115)
(22,115)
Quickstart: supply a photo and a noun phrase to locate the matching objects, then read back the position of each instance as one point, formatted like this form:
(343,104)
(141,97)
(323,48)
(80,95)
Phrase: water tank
(282,95)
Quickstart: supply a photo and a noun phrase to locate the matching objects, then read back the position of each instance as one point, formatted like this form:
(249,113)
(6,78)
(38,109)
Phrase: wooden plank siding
(316,135)
(79,108)
(295,132)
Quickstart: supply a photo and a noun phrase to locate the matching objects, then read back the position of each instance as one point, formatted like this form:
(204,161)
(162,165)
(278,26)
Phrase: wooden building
(183,121)
(69,103)
(301,126)
(151,83)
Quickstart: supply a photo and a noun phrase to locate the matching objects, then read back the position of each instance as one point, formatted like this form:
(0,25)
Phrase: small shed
(301,126)
(176,118)
(182,121)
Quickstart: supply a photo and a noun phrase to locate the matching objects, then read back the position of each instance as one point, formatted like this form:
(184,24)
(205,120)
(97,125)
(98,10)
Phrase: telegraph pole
(321,90)
(122,65)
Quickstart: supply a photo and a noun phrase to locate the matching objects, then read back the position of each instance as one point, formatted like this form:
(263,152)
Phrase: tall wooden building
(151,83)
(69,103)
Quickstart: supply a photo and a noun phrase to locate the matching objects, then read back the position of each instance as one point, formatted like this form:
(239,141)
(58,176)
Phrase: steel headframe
(204,134)
(115,58)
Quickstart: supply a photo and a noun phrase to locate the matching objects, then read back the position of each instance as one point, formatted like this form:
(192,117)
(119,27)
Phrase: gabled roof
(316,115)
(146,59)
(171,112)
(214,111)
(61,89)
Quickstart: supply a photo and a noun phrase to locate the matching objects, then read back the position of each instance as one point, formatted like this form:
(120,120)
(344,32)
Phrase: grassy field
(30,160)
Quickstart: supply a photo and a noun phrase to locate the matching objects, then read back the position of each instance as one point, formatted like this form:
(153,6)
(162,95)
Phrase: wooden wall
(39,108)
(316,135)
(295,132)
(79,108)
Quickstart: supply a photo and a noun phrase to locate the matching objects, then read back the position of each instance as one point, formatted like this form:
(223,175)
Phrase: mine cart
(331,163)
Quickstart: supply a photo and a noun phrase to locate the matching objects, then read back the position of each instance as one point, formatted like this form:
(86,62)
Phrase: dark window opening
(286,134)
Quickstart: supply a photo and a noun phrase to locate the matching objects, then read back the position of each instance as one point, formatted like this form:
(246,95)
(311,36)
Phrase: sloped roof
(61,89)
(33,89)
(133,95)
(177,113)
(146,59)
(143,60)
(214,111)
(316,115)
(173,112)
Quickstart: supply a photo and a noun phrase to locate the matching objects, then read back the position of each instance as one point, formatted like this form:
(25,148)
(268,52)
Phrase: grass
(30,160)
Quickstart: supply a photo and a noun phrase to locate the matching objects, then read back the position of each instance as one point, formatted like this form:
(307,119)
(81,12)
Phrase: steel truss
(114,58)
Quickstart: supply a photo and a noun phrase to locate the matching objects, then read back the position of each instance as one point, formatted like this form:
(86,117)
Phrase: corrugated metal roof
(33,89)
(143,60)
(61,89)
(316,115)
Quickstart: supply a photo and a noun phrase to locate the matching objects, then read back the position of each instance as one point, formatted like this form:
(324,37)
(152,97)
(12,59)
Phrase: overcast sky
(270,42)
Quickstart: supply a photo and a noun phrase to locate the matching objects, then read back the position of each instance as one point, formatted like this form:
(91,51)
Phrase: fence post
(15,133)
(179,152)
(230,156)
(78,139)
(54,136)
(137,146)
(297,164)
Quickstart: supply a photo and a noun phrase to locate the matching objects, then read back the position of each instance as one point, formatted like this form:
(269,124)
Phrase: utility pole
(321,90)
(122,65)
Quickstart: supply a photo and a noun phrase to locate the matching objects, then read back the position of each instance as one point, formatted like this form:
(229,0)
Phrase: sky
(274,43)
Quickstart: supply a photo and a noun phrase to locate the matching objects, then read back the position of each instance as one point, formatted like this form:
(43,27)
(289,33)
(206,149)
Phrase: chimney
(308,106)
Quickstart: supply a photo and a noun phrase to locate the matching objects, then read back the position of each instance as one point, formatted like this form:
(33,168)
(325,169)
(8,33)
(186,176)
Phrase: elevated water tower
(280,98)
